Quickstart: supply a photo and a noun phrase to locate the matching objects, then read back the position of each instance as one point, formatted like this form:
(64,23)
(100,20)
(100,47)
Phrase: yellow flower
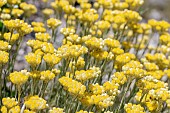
(48,48)
(56,110)
(17,12)
(73,38)
(35,103)
(13,2)
(162,26)
(134,4)
(6,10)
(28,111)
(48,12)
(119,77)
(53,23)
(35,74)
(15,109)
(147,83)
(101,101)
(5,16)
(29,9)
(87,17)
(67,31)
(112,88)
(123,59)
(2,2)
(117,51)
(4,57)
(133,108)
(13,24)
(96,89)
(85,6)
(73,86)
(112,43)
(42,36)
(73,51)
(4,46)
(95,43)
(158,74)
(4,109)
(152,105)
(39,29)
(33,59)
(13,39)
(99,54)
(18,78)
(107,4)
(132,64)
(37,24)
(35,44)
(55,71)
(80,63)
(47,75)
(103,25)
(9,102)
(168,103)
(69,9)
(25,29)
(51,59)
(164,39)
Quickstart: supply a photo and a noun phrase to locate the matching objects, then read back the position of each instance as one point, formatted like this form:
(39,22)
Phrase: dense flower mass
(82,56)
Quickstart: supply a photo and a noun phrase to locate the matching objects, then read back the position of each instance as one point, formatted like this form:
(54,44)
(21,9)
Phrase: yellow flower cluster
(53,23)
(122,59)
(42,37)
(29,9)
(88,17)
(35,103)
(47,75)
(73,39)
(18,25)
(133,108)
(152,93)
(19,78)
(111,43)
(56,110)
(102,101)
(3,2)
(160,26)
(4,46)
(28,111)
(96,89)
(9,102)
(67,31)
(159,59)
(47,12)
(73,51)
(105,62)
(10,105)
(83,75)
(72,86)
(51,59)
(11,38)
(33,59)
(95,43)
(119,77)
(17,12)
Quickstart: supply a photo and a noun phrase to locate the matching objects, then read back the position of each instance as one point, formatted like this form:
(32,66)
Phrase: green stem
(19,94)
(123,98)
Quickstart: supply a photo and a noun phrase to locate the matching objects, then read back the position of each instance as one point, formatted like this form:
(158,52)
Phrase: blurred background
(157,9)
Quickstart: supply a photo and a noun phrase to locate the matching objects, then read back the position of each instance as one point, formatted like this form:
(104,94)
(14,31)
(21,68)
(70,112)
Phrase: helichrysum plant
(85,57)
